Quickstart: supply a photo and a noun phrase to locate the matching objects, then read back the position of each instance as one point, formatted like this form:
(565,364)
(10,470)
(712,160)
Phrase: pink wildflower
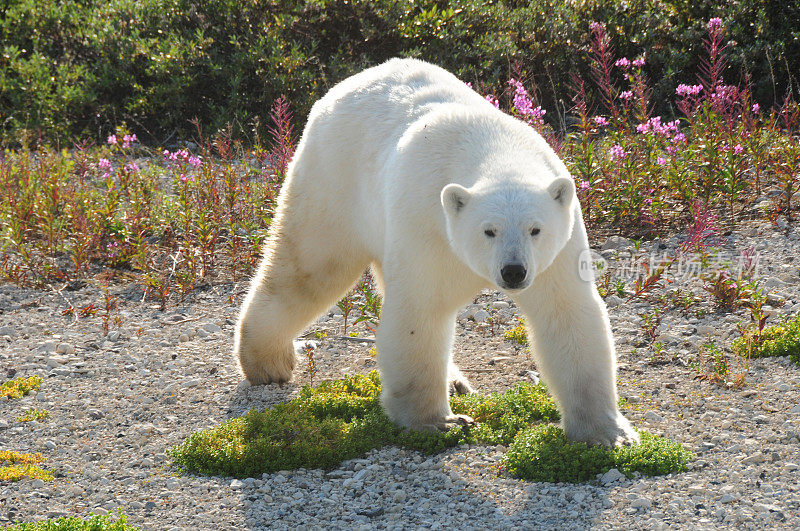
(131,167)
(714,24)
(626,95)
(524,105)
(623,63)
(494,101)
(661,161)
(617,152)
(104,164)
(584,185)
(194,161)
(127,140)
(600,120)
(738,149)
(596,26)
(112,139)
(756,108)
(688,90)
(638,63)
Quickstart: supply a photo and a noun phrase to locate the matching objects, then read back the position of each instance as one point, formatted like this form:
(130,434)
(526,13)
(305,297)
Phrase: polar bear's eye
(489,233)
(535,231)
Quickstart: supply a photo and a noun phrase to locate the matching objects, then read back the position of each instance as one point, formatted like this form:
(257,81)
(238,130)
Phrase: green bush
(80,67)
(543,453)
(343,419)
(71,523)
(782,339)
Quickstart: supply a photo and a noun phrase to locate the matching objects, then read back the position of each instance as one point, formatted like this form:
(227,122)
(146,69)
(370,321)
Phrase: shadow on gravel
(260,397)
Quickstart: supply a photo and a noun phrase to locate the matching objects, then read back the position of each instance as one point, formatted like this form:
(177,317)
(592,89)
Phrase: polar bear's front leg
(414,343)
(571,341)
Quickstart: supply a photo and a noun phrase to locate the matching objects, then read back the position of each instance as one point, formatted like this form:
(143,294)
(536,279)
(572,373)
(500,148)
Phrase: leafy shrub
(343,419)
(19,387)
(94,522)
(782,339)
(79,67)
(543,453)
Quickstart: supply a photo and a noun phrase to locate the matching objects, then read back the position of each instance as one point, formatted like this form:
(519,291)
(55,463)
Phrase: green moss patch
(343,419)
(782,339)
(543,453)
(19,387)
(94,522)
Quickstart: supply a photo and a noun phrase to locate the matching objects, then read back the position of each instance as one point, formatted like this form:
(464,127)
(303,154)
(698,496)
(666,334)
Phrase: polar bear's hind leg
(296,281)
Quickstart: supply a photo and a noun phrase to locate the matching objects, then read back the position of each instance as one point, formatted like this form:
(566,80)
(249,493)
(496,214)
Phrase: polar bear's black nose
(513,274)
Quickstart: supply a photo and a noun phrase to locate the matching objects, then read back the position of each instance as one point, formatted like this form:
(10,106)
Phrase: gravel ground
(118,402)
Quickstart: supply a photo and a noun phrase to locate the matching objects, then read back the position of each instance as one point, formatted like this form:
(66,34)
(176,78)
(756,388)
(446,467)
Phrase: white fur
(404,167)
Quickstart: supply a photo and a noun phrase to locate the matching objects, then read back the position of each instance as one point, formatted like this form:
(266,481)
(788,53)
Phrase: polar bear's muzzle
(513,276)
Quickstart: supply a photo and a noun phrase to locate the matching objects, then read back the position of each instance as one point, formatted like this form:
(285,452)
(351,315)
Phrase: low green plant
(94,522)
(782,339)
(543,453)
(34,414)
(715,365)
(16,466)
(343,419)
(19,387)
(518,334)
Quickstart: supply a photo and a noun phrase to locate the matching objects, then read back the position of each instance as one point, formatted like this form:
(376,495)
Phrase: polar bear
(405,168)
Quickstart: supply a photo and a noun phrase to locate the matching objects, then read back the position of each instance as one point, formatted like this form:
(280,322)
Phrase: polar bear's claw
(448,423)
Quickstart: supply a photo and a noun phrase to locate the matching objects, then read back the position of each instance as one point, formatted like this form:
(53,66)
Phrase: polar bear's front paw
(448,423)
(619,433)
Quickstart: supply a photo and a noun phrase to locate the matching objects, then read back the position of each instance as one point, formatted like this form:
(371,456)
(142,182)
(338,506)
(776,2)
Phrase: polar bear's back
(353,131)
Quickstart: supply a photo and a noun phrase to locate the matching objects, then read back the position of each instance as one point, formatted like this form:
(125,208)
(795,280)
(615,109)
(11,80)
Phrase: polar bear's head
(508,233)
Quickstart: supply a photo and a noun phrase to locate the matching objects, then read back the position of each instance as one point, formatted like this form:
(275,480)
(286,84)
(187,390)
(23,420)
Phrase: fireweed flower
(494,101)
(131,167)
(524,105)
(127,140)
(596,26)
(738,149)
(623,63)
(661,161)
(714,24)
(194,161)
(617,152)
(600,120)
(584,185)
(638,63)
(756,108)
(104,164)
(112,139)
(688,90)
(626,95)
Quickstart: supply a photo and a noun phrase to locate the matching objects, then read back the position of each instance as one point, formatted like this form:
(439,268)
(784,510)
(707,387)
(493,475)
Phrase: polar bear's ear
(454,198)
(562,190)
